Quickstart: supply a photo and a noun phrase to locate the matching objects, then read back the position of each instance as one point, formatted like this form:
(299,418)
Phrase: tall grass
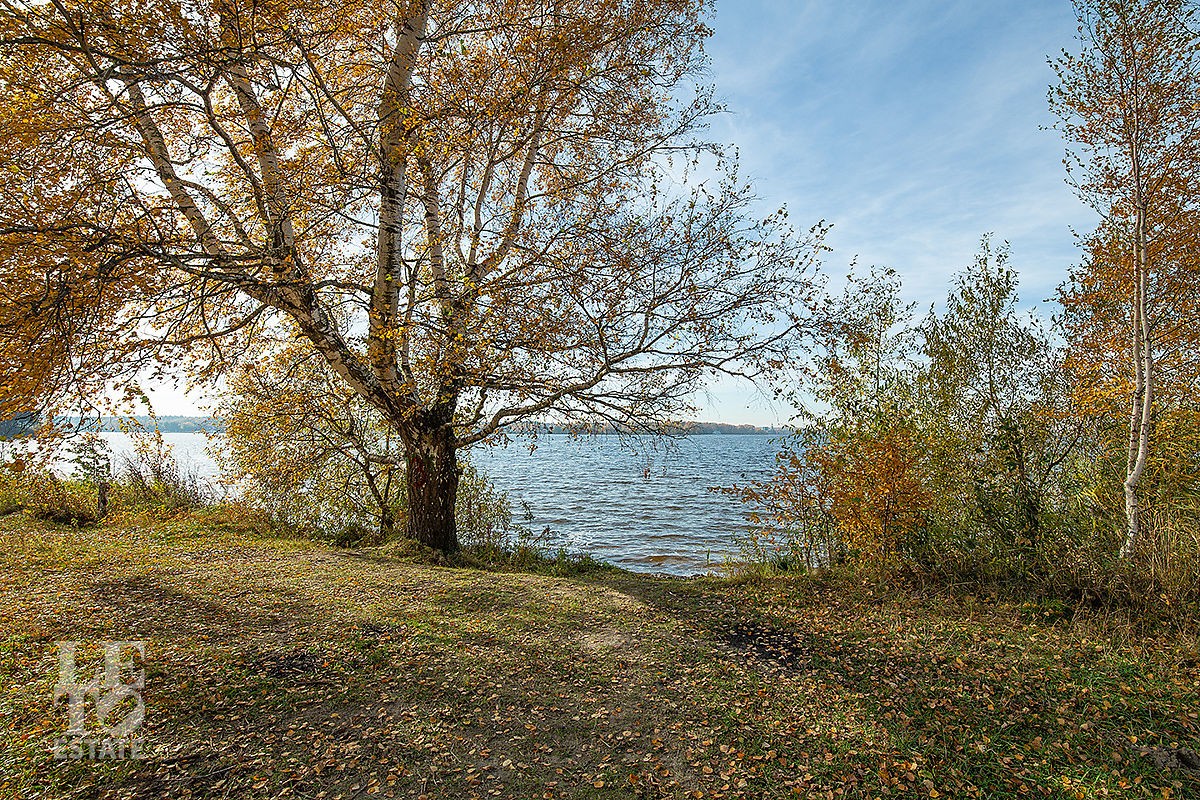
(43,495)
(156,480)
(1167,559)
(151,480)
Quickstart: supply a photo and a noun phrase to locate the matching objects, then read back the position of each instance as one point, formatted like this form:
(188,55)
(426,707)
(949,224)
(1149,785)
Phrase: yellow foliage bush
(45,496)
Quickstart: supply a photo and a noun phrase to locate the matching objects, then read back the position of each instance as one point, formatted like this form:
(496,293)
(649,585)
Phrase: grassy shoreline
(284,668)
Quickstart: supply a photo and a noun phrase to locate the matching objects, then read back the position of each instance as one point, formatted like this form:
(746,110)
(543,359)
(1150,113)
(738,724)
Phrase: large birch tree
(473,211)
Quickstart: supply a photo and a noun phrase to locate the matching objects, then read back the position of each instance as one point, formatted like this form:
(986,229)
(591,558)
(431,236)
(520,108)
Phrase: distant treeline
(700,428)
(21,425)
(165,424)
(208,424)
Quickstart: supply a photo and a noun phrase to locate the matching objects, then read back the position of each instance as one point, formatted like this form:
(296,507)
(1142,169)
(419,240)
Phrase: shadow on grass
(963,700)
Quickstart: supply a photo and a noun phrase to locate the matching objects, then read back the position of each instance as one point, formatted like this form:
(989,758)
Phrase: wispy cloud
(892,116)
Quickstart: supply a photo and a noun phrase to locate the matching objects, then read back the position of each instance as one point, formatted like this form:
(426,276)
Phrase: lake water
(649,510)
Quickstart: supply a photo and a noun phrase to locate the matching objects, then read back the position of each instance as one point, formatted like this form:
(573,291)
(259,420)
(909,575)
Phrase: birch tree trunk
(433,473)
(1142,407)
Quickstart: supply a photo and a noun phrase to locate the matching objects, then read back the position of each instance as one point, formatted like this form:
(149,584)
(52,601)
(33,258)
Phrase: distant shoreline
(171,424)
(186,424)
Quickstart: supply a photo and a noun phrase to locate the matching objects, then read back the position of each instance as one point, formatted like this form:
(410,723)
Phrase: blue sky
(914,126)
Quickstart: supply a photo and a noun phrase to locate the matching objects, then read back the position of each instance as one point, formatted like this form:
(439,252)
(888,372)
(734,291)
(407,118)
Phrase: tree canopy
(474,211)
